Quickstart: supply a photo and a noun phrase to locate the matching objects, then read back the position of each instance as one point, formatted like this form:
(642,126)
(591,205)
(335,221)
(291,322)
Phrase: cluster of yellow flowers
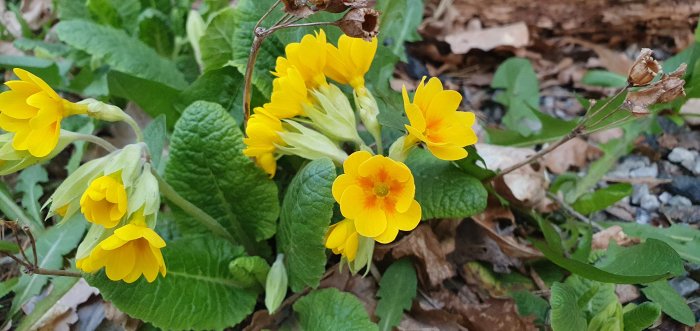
(117,193)
(309,117)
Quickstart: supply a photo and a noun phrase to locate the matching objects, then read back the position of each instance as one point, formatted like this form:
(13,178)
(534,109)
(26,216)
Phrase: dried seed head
(297,8)
(666,89)
(644,69)
(360,23)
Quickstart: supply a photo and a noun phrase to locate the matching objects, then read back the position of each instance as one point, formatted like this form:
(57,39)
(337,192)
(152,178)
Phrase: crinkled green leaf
(208,168)
(566,314)
(120,51)
(330,309)
(249,271)
(399,23)
(28,184)
(602,198)
(223,86)
(641,317)
(608,319)
(307,209)
(396,292)
(685,240)
(672,303)
(531,305)
(72,9)
(51,246)
(117,13)
(652,257)
(592,296)
(198,291)
(217,42)
(443,190)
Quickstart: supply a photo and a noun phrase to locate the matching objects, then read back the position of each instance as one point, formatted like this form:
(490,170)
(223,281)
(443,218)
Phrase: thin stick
(607,102)
(573,212)
(41,271)
(33,242)
(267,13)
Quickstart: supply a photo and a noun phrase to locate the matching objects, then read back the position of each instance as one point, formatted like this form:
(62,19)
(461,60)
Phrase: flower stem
(209,222)
(134,126)
(95,140)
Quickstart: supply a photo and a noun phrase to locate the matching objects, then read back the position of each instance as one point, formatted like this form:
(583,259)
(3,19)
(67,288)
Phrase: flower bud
(332,114)
(276,285)
(644,69)
(308,143)
(368,109)
(365,251)
(360,23)
(398,151)
(145,196)
(103,111)
(94,236)
(12,160)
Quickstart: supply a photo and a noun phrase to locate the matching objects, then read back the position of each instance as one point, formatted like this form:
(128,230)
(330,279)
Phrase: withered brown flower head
(666,89)
(360,23)
(644,69)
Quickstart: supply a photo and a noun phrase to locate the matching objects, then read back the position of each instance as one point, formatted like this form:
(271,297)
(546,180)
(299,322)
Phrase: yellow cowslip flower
(309,56)
(33,111)
(104,202)
(342,238)
(289,95)
(435,121)
(131,251)
(262,139)
(378,194)
(350,61)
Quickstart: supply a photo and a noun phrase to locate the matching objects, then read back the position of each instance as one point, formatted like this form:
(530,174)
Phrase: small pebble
(686,186)
(645,172)
(679,200)
(639,191)
(684,285)
(665,197)
(649,202)
(642,216)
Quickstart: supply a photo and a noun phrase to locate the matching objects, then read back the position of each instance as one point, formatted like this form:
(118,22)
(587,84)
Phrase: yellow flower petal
(370,222)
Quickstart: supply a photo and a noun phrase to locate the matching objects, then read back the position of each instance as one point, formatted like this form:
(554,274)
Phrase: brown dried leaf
(601,239)
(63,313)
(422,244)
(573,153)
(614,61)
(526,185)
(513,35)
(474,243)
(509,244)
(626,292)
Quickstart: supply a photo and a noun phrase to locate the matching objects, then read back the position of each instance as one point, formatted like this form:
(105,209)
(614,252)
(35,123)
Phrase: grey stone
(684,285)
(679,200)
(630,163)
(686,186)
(639,191)
(642,216)
(685,214)
(650,171)
(681,155)
(665,197)
(650,202)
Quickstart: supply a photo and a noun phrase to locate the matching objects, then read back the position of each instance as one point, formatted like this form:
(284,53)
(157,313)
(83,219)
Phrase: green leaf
(604,78)
(603,198)
(198,291)
(307,209)
(592,296)
(531,305)
(217,42)
(330,309)
(72,9)
(641,317)
(223,86)
(117,13)
(28,184)
(154,30)
(120,51)
(8,246)
(552,129)
(208,168)
(11,210)
(672,303)
(609,319)
(591,272)
(51,246)
(8,286)
(142,92)
(399,23)
(443,190)
(155,135)
(249,271)
(397,289)
(60,286)
(474,165)
(46,69)
(652,257)
(685,240)
(606,111)
(566,315)
(521,95)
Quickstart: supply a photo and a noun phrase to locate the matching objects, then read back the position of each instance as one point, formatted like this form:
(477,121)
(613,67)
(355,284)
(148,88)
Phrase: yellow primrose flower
(133,250)
(350,61)
(435,121)
(104,202)
(262,138)
(33,111)
(309,56)
(289,94)
(378,194)
(342,238)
